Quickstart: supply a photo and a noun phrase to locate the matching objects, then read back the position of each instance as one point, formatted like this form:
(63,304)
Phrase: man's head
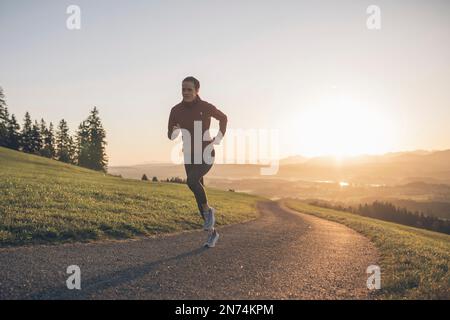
(190,88)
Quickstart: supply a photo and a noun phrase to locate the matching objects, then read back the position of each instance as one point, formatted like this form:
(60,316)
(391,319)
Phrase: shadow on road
(113,279)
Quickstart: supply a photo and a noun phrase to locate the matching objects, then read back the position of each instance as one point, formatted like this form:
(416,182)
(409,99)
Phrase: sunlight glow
(343,184)
(343,127)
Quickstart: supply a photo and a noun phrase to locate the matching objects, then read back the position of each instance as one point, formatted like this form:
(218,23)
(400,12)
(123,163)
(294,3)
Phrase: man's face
(189,92)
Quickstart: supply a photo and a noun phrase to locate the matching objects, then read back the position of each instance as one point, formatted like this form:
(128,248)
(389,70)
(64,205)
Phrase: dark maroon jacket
(185,113)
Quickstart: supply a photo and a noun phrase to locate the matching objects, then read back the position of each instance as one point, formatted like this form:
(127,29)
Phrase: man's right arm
(172,123)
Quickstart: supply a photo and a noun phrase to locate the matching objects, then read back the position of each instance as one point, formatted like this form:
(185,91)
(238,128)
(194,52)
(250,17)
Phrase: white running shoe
(210,219)
(212,239)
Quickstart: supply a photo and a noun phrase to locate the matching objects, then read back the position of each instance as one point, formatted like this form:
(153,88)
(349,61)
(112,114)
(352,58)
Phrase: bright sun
(343,127)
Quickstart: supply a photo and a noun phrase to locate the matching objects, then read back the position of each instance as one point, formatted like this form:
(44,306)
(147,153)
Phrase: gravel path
(281,255)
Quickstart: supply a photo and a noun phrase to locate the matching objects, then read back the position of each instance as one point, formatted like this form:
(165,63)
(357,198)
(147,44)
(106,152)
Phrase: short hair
(194,81)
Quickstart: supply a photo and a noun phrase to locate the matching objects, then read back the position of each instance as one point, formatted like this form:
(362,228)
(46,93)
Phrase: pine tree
(96,142)
(72,150)
(26,141)
(2,97)
(48,140)
(36,138)
(4,120)
(13,133)
(83,144)
(4,123)
(64,143)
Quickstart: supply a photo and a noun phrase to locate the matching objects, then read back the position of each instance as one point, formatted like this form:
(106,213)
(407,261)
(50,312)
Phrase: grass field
(414,262)
(46,201)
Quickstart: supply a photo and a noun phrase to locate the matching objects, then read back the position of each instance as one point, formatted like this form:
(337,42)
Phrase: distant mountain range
(390,168)
(417,155)
(417,180)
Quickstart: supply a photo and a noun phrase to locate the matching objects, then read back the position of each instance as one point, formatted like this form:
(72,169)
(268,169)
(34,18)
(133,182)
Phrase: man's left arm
(223,120)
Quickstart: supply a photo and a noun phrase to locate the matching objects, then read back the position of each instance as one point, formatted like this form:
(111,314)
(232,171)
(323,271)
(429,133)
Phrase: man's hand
(175,132)
(217,140)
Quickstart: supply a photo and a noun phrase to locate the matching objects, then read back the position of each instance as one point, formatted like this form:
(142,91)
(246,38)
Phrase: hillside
(414,262)
(46,201)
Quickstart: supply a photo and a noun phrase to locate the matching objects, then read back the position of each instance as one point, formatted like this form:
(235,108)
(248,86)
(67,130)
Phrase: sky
(311,70)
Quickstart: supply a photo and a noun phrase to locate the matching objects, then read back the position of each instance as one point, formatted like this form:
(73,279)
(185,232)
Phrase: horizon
(336,158)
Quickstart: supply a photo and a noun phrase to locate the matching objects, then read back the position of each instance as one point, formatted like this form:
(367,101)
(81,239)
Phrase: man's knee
(191,181)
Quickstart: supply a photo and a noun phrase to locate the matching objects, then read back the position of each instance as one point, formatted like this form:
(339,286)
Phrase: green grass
(46,201)
(414,262)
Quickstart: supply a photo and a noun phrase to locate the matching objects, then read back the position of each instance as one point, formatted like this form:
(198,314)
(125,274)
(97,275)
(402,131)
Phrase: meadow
(46,201)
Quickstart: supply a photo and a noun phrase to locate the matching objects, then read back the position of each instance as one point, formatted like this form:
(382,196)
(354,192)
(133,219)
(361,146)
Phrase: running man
(192,116)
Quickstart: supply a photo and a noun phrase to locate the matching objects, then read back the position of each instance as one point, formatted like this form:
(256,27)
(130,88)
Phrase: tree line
(172,179)
(86,148)
(388,212)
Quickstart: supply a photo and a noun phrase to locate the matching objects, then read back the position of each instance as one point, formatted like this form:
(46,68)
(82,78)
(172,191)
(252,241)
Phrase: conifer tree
(48,140)
(4,120)
(26,141)
(97,142)
(91,143)
(36,138)
(13,133)
(83,144)
(64,143)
